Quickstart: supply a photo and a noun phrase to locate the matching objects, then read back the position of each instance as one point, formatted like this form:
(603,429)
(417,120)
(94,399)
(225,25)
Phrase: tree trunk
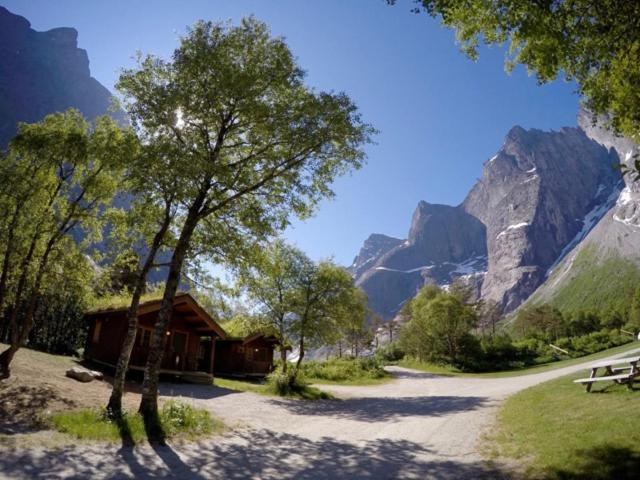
(6,261)
(7,356)
(114,407)
(283,358)
(300,357)
(283,348)
(149,401)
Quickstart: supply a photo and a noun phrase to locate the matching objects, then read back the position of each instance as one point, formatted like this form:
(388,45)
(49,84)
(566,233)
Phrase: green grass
(593,284)
(304,392)
(558,431)
(354,382)
(450,370)
(345,371)
(177,420)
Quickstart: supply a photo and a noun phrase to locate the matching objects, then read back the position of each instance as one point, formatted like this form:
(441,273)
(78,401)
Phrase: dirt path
(418,426)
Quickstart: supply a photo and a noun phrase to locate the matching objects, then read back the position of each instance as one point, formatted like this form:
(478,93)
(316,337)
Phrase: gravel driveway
(417,426)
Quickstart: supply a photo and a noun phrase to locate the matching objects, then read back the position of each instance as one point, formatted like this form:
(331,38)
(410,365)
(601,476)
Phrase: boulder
(83,374)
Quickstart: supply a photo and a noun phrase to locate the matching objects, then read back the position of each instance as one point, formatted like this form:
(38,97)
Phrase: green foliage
(177,420)
(62,172)
(180,418)
(288,384)
(542,321)
(391,352)
(344,370)
(440,328)
(302,302)
(240,143)
(593,42)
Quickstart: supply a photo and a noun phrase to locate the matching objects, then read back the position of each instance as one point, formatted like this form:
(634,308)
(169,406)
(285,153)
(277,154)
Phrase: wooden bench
(622,378)
(611,372)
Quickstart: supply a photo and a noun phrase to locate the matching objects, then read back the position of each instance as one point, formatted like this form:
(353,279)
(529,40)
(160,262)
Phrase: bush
(284,383)
(391,352)
(344,369)
(179,417)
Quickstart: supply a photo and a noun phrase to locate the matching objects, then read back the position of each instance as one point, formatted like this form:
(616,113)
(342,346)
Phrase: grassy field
(449,370)
(307,392)
(557,431)
(177,420)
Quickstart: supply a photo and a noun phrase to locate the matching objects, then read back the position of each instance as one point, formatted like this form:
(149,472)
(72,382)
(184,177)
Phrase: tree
(594,42)
(439,328)
(351,318)
(271,281)
(139,236)
(302,302)
(325,301)
(489,315)
(542,320)
(77,169)
(248,144)
(634,312)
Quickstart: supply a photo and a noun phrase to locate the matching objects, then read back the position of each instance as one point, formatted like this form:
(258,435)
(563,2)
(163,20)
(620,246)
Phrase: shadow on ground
(380,409)
(189,390)
(602,463)
(20,406)
(249,454)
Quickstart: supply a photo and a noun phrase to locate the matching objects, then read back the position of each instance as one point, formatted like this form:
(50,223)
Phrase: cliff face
(538,198)
(41,73)
(444,243)
(538,193)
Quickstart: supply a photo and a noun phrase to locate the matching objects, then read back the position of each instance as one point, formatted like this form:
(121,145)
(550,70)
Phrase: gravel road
(417,426)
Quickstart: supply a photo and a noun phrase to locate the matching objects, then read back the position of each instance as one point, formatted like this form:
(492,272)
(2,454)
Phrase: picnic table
(618,370)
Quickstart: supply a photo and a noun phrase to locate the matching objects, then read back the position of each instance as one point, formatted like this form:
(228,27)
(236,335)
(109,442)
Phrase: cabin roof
(252,338)
(184,305)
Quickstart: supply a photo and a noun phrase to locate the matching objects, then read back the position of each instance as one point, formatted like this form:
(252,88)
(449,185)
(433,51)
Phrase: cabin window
(96,331)
(260,354)
(179,342)
(144,337)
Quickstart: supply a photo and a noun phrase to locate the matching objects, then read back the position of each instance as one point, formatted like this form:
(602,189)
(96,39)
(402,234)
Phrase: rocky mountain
(41,73)
(602,268)
(538,198)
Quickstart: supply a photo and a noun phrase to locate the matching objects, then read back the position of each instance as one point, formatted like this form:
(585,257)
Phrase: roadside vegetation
(176,420)
(449,370)
(346,371)
(448,332)
(275,385)
(558,432)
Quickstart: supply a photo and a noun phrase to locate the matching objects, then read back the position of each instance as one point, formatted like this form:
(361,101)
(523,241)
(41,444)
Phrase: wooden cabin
(250,356)
(190,338)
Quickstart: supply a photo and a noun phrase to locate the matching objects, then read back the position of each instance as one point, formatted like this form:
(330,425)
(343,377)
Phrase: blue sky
(440,115)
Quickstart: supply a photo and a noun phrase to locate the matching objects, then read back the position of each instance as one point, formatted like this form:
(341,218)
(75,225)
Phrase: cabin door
(204,356)
(175,356)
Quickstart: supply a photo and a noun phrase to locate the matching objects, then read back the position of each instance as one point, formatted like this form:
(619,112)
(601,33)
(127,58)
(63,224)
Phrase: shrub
(344,369)
(181,417)
(391,352)
(283,383)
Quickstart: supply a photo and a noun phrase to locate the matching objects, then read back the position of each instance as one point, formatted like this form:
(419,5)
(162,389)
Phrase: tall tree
(325,295)
(594,42)
(249,143)
(79,166)
(271,281)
